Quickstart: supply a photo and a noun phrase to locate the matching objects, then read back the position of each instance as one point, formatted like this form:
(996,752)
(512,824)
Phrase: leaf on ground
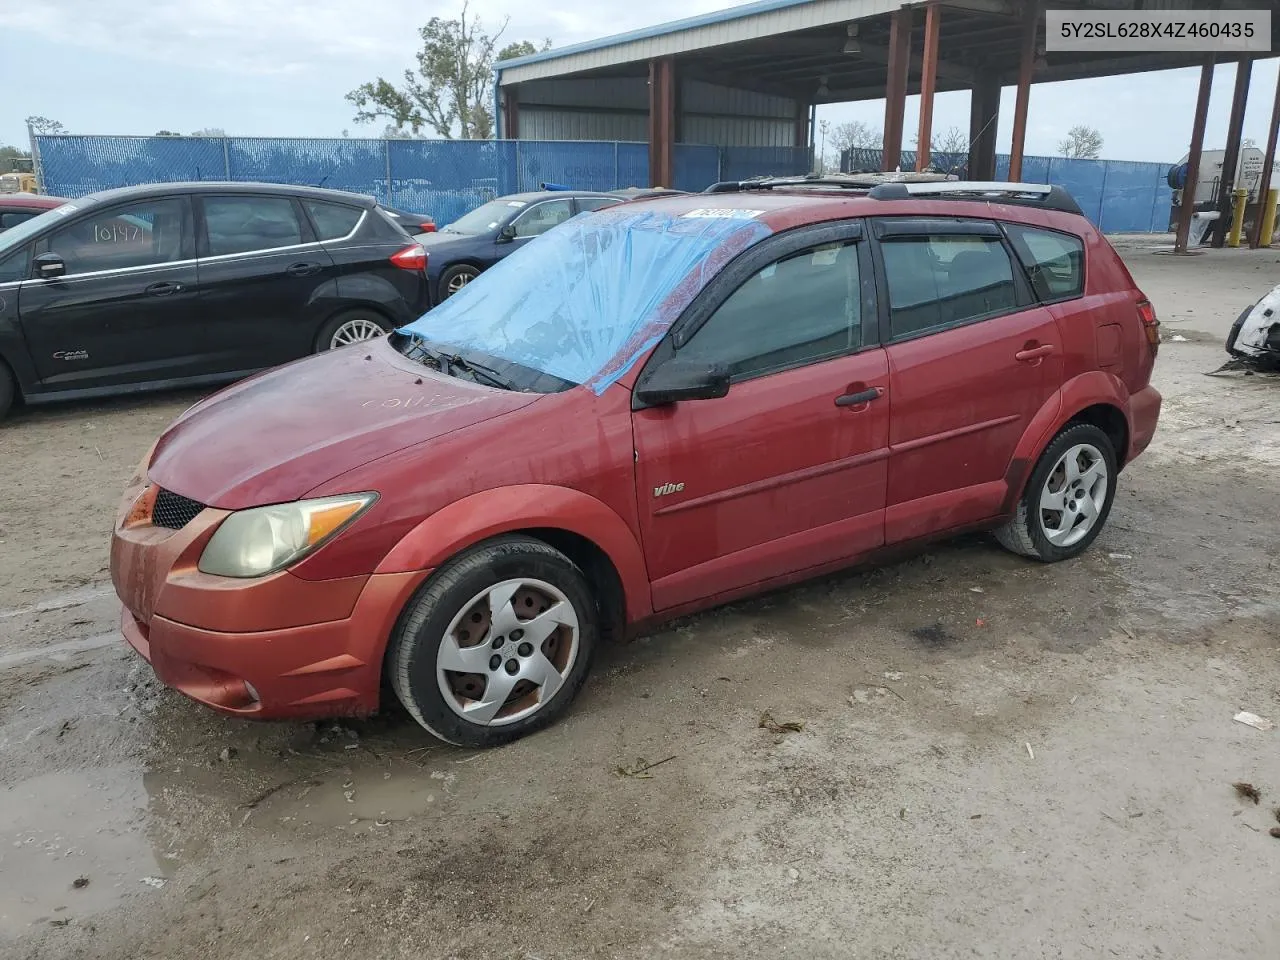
(640,769)
(768,723)
(1248,791)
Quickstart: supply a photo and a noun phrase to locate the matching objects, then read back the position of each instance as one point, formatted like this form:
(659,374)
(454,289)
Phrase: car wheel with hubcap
(455,278)
(496,644)
(352,326)
(1067,498)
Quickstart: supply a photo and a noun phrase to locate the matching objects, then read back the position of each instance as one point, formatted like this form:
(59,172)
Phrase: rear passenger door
(266,283)
(972,358)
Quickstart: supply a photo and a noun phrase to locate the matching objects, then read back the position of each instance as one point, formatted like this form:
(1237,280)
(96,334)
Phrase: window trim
(524,211)
(186,251)
(608,202)
(1024,297)
(315,231)
(745,266)
(305,230)
(1084,260)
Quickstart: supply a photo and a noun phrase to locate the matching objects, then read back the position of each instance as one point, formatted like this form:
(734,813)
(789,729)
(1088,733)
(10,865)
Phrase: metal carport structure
(752,75)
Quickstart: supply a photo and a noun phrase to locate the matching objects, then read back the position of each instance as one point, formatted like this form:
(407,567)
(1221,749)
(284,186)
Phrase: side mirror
(49,266)
(506,234)
(679,380)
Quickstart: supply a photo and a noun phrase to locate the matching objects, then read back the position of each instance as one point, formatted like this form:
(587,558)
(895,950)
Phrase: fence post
(719,164)
(226,158)
(1155,198)
(617,175)
(1102,194)
(36,167)
(386,152)
(519,177)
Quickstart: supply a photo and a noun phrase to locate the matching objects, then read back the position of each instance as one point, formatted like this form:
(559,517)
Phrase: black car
(412,222)
(195,283)
(458,253)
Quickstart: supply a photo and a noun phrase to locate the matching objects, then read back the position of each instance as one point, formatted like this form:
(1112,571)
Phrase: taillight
(428,227)
(1147,314)
(412,257)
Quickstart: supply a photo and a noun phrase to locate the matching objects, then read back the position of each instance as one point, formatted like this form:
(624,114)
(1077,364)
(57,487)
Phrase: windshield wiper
(448,362)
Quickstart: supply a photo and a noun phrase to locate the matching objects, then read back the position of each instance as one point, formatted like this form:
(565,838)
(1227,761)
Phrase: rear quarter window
(333,220)
(937,282)
(1054,262)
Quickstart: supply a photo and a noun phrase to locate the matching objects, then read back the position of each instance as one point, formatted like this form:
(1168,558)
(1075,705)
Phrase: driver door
(787,472)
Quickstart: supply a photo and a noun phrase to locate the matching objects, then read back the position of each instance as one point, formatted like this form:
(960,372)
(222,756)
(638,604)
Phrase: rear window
(1054,261)
(332,220)
(11,218)
(941,281)
(241,224)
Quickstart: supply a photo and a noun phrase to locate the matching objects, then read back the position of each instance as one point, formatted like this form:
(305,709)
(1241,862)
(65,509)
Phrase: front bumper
(271,647)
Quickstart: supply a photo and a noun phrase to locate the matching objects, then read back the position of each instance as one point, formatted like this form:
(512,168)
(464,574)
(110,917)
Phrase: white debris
(1030,753)
(1178,338)
(893,675)
(793,873)
(1120,556)
(156,882)
(1253,720)
(976,590)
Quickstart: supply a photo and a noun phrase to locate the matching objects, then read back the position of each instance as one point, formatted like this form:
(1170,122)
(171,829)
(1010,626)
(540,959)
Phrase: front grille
(173,510)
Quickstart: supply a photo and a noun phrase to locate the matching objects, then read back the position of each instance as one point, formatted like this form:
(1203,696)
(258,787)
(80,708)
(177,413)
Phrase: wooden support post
(928,83)
(1026,66)
(895,102)
(510,113)
(1257,238)
(984,116)
(1231,156)
(1187,205)
(662,122)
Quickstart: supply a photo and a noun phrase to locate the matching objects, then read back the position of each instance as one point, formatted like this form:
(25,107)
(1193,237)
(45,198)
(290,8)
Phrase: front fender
(490,513)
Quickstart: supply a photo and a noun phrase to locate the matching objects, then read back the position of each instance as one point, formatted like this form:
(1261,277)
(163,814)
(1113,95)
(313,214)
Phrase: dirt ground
(998,758)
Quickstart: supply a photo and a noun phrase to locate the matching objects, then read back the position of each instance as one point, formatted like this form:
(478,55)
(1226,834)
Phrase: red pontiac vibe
(647,411)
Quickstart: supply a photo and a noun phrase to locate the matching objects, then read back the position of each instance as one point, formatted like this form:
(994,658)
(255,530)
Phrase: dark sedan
(458,253)
(197,283)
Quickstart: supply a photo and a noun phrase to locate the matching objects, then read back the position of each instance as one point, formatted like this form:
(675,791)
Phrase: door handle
(303,269)
(1034,353)
(862,396)
(163,289)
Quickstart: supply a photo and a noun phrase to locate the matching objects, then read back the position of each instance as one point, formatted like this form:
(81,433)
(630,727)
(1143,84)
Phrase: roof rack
(856,181)
(1048,196)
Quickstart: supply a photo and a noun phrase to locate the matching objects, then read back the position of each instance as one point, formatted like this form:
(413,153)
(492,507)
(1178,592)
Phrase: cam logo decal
(667,488)
(71,355)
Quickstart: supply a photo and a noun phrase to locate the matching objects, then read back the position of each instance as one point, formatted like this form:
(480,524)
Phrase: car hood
(276,436)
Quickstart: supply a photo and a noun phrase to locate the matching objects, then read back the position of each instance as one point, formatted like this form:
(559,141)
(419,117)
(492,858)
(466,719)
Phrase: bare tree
(952,140)
(209,132)
(1081,143)
(451,89)
(856,134)
(46,126)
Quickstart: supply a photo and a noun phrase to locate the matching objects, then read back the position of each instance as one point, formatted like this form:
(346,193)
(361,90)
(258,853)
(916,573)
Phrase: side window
(803,308)
(240,224)
(1054,261)
(941,281)
(11,218)
(541,217)
(15,266)
(332,220)
(139,234)
(595,203)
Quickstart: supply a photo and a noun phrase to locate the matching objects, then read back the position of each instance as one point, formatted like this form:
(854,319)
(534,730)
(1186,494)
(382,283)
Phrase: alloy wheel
(507,652)
(356,330)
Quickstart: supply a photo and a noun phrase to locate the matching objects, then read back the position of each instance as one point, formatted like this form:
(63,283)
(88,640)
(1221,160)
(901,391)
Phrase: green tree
(46,126)
(452,87)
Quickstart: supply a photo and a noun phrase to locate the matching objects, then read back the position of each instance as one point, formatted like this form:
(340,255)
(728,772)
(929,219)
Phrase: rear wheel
(455,278)
(1067,499)
(496,645)
(351,326)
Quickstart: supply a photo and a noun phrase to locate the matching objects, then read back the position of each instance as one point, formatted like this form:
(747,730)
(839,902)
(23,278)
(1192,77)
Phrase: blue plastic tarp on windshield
(585,300)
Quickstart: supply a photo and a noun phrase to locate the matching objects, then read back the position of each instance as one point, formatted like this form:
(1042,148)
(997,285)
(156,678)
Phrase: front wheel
(1067,499)
(497,643)
(455,278)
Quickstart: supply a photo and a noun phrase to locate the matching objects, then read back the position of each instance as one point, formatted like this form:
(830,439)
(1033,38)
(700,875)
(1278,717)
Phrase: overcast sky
(281,69)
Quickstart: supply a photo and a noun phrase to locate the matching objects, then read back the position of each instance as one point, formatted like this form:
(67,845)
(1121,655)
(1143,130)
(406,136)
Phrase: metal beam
(875,53)
(1256,239)
(995,8)
(1187,204)
(1026,67)
(1231,156)
(984,116)
(897,71)
(511,112)
(662,121)
(928,84)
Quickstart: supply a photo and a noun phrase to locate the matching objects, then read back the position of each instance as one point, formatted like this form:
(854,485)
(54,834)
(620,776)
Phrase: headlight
(252,543)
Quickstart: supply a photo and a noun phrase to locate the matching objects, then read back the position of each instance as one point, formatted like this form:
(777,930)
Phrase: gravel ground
(996,759)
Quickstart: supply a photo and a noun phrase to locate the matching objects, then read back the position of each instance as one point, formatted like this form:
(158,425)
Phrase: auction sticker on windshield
(721,213)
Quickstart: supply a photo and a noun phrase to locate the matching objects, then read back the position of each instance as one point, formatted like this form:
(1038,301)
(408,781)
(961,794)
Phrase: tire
(455,278)
(439,625)
(1039,531)
(351,326)
(7,390)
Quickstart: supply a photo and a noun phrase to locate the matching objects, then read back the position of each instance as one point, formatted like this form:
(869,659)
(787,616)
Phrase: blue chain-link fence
(442,178)
(1119,196)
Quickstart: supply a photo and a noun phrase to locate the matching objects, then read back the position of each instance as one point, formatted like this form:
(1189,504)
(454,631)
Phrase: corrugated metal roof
(750,21)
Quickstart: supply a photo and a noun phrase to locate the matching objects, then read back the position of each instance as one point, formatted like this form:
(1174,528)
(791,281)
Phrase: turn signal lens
(253,543)
(1147,314)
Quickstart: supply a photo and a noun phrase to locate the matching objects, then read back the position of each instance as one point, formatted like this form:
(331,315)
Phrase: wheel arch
(351,307)
(585,529)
